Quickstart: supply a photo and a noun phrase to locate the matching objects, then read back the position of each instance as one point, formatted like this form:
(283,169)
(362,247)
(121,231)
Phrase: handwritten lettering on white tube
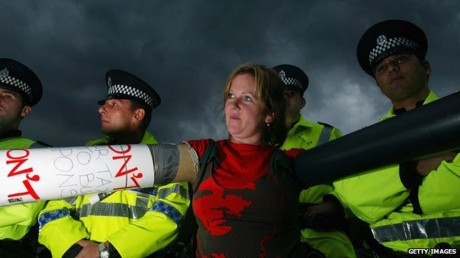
(29,175)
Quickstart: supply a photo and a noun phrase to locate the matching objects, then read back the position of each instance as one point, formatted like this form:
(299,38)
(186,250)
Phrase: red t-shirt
(245,207)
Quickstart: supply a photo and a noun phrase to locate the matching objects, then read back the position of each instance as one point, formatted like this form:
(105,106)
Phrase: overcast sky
(186,50)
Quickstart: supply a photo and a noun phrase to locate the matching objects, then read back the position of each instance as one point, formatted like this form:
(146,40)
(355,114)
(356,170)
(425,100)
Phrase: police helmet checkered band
(387,38)
(384,44)
(290,81)
(5,78)
(129,91)
(121,84)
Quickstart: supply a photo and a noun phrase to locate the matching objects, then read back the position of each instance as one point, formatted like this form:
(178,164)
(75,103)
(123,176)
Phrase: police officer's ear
(139,114)
(302,100)
(427,66)
(25,111)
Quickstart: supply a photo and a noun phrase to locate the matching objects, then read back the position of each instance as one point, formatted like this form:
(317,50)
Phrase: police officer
(408,205)
(20,89)
(304,134)
(125,223)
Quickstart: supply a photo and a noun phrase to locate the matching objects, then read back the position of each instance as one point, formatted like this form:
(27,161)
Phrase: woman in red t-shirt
(246,198)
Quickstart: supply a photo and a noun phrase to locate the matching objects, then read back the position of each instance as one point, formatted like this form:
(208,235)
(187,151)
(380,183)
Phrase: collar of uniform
(302,123)
(402,110)
(11,133)
(146,139)
(430,98)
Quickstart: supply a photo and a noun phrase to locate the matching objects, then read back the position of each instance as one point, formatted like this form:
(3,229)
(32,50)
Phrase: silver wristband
(103,251)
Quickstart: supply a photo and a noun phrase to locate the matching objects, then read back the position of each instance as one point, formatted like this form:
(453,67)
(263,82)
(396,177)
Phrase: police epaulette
(43,144)
(325,124)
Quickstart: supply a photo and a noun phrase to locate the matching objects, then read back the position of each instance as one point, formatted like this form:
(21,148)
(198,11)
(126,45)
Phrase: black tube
(424,131)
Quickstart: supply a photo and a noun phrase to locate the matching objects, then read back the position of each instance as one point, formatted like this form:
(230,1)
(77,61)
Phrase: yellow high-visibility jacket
(306,135)
(379,198)
(16,220)
(136,222)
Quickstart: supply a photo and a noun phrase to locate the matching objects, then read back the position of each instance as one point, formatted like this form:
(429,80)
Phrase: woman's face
(245,114)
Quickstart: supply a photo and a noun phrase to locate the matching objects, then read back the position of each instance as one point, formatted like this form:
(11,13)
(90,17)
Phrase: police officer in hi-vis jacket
(306,135)
(412,204)
(20,89)
(123,223)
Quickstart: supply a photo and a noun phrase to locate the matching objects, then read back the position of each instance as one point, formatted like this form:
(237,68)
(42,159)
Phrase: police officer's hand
(425,166)
(89,249)
(327,215)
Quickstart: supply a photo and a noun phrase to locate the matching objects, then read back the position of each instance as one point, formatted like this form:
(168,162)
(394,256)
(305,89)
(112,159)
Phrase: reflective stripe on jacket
(404,229)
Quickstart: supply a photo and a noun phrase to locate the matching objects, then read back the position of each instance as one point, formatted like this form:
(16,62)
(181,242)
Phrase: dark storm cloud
(187,49)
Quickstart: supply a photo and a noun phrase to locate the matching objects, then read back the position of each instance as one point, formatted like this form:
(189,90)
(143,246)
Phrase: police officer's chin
(109,132)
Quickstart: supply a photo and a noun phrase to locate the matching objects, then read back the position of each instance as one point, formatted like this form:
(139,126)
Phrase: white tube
(53,173)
